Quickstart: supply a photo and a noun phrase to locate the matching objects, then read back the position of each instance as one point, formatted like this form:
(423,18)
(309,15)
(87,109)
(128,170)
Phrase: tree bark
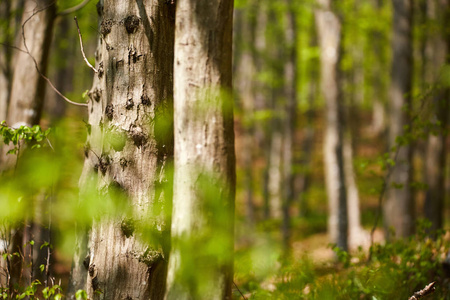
(129,150)
(329,32)
(399,204)
(201,261)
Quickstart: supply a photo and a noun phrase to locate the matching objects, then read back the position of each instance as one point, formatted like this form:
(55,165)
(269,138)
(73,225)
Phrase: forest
(224,149)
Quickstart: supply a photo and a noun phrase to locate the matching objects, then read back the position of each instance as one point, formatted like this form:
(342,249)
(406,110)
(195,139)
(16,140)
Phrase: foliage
(396,271)
(34,136)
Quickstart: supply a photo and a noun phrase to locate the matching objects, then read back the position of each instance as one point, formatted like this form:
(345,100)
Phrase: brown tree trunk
(290,120)
(437,49)
(329,32)
(201,261)
(129,151)
(243,79)
(399,204)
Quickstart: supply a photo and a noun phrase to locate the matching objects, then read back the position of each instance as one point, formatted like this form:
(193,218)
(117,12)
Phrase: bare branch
(36,64)
(82,49)
(430,288)
(243,297)
(73,9)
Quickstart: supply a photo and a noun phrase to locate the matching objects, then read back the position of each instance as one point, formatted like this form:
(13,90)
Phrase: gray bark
(399,204)
(28,87)
(329,32)
(129,151)
(201,261)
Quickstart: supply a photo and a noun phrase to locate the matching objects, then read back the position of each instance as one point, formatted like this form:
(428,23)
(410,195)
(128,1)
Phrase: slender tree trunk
(399,204)
(290,121)
(329,32)
(244,77)
(5,59)
(357,236)
(378,125)
(437,50)
(129,150)
(201,261)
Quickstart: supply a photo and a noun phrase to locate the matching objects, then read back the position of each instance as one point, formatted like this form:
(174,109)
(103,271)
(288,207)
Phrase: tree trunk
(244,77)
(6,38)
(329,32)
(399,204)
(201,261)
(27,96)
(129,150)
(290,120)
(437,48)
(28,87)
(378,125)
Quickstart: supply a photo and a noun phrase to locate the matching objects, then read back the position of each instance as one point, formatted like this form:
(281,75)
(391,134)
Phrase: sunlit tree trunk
(399,204)
(201,261)
(437,51)
(329,32)
(129,151)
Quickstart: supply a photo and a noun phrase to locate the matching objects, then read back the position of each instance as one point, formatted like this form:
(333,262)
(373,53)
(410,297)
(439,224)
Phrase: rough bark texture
(129,149)
(437,48)
(329,32)
(399,204)
(201,261)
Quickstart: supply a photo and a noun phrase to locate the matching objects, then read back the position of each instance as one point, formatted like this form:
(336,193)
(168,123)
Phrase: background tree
(329,32)
(437,55)
(399,205)
(204,179)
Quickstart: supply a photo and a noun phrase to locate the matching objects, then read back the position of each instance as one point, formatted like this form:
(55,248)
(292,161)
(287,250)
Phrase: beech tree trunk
(399,204)
(329,32)
(201,261)
(129,150)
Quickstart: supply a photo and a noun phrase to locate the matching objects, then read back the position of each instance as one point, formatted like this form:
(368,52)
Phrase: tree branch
(73,9)
(82,49)
(430,288)
(36,64)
